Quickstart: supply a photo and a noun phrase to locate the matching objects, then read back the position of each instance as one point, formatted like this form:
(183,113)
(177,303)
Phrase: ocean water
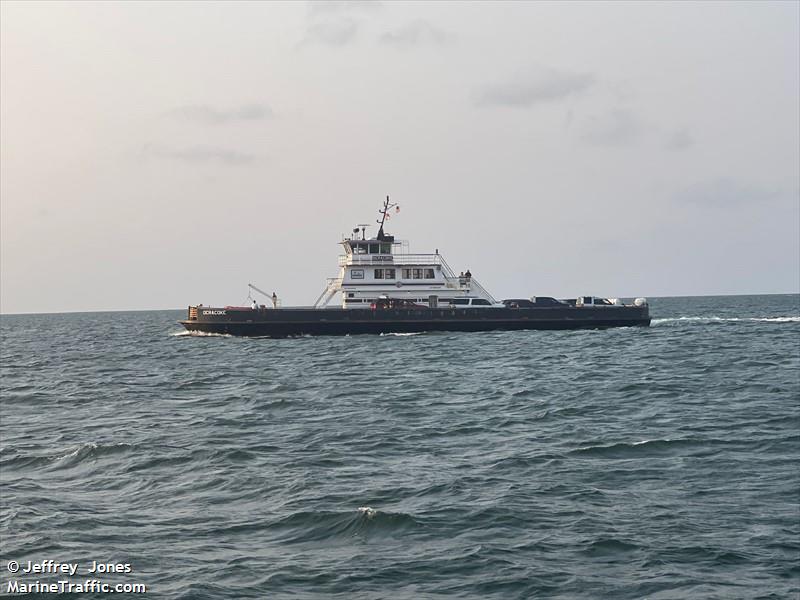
(636,463)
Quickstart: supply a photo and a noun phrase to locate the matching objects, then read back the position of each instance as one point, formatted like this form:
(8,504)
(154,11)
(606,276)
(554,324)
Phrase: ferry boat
(383,288)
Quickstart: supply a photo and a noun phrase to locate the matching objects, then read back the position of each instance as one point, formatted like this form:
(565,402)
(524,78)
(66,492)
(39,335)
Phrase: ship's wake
(402,334)
(198,334)
(783,319)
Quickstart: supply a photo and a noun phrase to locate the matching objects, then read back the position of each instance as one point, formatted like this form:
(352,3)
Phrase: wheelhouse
(372,267)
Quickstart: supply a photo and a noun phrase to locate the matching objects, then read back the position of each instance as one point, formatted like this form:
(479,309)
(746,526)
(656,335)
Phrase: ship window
(406,273)
(388,273)
(351,295)
(460,301)
(378,273)
(359,249)
(386,248)
(481,302)
(417,273)
(357,274)
(428,273)
(373,248)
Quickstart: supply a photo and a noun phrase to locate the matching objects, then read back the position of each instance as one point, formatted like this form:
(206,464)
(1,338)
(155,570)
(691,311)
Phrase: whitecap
(367,511)
(90,446)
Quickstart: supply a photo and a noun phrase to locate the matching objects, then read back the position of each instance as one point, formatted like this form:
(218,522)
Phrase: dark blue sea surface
(636,463)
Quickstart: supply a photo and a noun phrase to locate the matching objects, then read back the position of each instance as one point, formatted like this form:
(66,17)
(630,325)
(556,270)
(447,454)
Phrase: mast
(384,212)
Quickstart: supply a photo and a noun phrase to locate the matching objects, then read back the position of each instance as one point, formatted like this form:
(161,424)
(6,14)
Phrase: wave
(791,319)
(91,450)
(64,458)
(651,448)
(365,521)
(607,547)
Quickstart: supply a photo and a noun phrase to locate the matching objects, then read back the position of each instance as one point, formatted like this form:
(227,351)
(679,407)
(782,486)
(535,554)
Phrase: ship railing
(390,259)
(469,285)
(481,291)
(334,285)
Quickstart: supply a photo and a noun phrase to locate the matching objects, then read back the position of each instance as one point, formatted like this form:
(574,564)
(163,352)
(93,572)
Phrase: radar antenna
(384,212)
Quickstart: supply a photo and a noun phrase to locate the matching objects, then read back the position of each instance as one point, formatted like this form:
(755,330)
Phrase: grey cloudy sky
(161,154)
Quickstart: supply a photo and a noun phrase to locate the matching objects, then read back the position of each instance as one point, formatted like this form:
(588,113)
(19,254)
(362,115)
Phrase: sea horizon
(133,310)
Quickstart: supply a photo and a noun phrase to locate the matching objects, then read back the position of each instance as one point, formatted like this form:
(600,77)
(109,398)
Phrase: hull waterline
(296,322)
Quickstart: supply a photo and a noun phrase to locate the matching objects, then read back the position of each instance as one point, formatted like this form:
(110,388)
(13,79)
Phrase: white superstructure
(372,268)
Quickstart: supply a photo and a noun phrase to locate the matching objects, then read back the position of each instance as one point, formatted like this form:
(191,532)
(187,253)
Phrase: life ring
(399,284)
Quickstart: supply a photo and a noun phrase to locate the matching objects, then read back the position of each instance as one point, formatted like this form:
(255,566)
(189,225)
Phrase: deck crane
(273,297)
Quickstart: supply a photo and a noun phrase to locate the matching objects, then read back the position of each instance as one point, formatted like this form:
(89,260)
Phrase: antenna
(384,212)
(363,227)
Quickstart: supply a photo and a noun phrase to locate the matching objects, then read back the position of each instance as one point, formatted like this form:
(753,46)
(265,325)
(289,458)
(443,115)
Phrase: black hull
(287,322)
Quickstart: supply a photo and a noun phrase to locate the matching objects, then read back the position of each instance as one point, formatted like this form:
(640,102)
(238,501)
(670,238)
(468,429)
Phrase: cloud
(333,23)
(200,154)
(680,140)
(617,127)
(208,115)
(544,86)
(343,6)
(568,119)
(416,32)
(335,32)
(725,192)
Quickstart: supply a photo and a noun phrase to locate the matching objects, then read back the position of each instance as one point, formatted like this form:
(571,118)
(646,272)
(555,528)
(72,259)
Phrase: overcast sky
(160,154)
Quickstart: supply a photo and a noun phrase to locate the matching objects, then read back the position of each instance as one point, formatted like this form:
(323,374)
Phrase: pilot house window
(418,274)
(357,274)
